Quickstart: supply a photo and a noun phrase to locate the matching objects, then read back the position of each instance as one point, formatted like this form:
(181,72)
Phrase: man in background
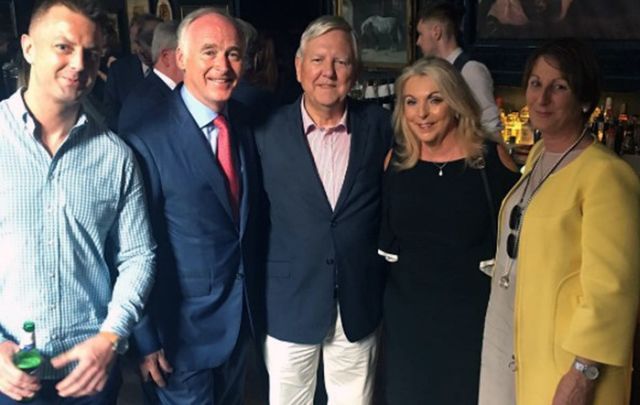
(126,72)
(438,30)
(159,84)
(71,202)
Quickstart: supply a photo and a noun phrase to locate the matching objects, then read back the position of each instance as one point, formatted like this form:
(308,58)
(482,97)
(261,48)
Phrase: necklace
(504,281)
(440,167)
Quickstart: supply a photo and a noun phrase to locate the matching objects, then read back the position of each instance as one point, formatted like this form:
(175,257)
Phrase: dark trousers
(48,395)
(223,385)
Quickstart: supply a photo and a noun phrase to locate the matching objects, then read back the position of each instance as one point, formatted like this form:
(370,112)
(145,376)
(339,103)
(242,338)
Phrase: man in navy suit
(159,84)
(126,72)
(322,161)
(199,161)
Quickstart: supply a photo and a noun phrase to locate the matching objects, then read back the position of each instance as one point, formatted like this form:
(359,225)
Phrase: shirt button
(54,336)
(330,262)
(50,242)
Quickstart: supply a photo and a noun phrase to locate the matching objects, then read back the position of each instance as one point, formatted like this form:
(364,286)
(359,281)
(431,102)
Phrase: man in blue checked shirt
(71,208)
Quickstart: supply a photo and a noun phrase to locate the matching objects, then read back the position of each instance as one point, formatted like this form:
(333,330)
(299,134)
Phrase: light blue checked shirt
(64,221)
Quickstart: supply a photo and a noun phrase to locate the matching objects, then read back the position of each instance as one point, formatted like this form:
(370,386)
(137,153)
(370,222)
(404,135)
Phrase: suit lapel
(198,149)
(358,128)
(301,148)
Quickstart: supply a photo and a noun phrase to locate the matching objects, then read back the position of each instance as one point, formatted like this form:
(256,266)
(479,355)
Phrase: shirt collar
(19,109)
(166,79)
(453,55)
(202,114)
(308,125)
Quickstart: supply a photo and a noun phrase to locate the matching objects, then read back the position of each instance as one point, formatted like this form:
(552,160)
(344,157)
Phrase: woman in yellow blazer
(564,298)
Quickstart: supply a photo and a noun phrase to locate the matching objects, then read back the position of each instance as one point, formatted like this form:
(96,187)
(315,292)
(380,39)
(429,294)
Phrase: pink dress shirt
(330,149)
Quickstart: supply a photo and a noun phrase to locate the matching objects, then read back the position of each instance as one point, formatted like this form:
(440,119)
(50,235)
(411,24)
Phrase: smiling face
(427,116)
(63,49)
(211,57)
(326,71)
(553,107)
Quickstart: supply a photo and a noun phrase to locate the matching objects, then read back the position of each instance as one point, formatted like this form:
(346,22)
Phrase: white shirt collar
(166,79)
(453,55)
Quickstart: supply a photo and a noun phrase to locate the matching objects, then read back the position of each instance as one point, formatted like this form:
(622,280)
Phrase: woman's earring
(585,108)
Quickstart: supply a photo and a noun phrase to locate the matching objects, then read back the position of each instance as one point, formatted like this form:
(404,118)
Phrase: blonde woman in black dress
(443,185)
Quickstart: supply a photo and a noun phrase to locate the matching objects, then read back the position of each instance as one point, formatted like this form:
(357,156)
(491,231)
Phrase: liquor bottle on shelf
(622,115)
(28,358)
(503,117)
(609,124)
(598,124)
(628,146)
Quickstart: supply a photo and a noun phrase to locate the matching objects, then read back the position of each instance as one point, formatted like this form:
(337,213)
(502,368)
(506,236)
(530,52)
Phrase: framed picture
(164,10)
(137,7)
(113,32)
(544,19)
(502,34)
(383,29)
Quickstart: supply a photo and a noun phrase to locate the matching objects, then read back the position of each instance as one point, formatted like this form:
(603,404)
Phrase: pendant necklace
(440,167)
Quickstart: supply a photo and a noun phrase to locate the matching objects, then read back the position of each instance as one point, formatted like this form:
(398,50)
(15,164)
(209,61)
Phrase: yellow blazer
(578,277)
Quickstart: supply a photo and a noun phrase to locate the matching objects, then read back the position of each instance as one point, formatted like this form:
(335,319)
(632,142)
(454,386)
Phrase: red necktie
(225,158)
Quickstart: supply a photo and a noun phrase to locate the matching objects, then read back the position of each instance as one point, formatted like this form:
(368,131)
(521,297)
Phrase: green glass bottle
(28,358)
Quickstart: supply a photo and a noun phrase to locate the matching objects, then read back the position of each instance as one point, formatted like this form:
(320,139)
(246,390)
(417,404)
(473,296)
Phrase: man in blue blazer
(203,189)
(159,84)
(322,161)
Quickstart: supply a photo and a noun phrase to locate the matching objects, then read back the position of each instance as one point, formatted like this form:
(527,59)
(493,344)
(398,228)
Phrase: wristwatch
(118,344)
(589,371)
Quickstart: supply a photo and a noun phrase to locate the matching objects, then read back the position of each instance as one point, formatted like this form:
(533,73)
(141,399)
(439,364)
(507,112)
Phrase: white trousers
(349,369)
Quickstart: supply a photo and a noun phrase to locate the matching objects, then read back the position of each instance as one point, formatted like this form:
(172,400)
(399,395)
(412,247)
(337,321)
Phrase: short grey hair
(201,12)
(324,24)
(165,36)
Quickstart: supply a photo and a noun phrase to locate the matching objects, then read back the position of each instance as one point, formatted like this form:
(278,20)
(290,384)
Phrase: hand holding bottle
(95,357)
(15,383)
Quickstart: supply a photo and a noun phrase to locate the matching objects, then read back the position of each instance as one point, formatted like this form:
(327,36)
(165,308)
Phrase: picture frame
(506,57)
(113,31)
(615,20)
(164,10)
(137,7)
(384,29)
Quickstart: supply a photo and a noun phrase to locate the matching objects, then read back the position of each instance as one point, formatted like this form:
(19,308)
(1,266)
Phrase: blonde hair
(456,94)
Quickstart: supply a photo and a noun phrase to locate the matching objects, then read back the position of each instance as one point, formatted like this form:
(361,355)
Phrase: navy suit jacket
(124,74)
(316,254)
(208,266)
(149,92)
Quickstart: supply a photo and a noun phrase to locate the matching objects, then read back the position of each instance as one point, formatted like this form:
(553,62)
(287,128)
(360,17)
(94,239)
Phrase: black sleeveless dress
(441,228)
